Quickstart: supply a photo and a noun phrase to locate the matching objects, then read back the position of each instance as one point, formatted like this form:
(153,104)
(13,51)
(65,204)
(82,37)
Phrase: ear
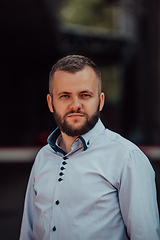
(102,98)
(49,101)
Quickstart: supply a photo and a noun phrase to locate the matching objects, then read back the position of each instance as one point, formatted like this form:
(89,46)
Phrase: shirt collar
(86,139)
(52,141)
(90,136)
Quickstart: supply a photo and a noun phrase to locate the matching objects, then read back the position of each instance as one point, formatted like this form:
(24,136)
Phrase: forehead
(81,80)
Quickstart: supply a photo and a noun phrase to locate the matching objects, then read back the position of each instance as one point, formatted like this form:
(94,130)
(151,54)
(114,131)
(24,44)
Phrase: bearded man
(87,183)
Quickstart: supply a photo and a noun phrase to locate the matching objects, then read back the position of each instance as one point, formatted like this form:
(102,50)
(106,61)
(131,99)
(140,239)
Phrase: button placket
(61,173)
(60,179)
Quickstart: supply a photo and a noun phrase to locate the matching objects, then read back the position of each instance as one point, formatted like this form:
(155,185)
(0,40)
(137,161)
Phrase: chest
(78,178)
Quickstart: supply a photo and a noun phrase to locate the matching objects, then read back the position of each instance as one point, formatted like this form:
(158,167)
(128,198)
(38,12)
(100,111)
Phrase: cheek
(58,105)
(91,107)
(60,109)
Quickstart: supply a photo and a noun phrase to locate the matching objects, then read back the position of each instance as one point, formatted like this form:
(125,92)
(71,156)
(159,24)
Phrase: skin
(72,92)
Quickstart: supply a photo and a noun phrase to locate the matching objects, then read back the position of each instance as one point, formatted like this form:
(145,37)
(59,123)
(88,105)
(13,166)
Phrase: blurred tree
(95,13)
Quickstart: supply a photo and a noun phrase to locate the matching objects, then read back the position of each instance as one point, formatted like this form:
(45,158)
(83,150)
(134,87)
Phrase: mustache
(72,111)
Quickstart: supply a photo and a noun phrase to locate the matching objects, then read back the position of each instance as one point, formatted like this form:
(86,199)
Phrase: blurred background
(121,36)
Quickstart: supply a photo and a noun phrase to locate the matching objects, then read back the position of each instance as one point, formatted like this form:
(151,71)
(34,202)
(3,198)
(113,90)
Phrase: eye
(85,95)
(64,96)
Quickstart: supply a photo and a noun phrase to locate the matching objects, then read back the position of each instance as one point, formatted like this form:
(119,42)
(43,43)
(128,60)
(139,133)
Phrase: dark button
(61,173)
(64,163)
(62,168)
(65,158)
(60,179)
(57,202)
(88,142)
(54,229)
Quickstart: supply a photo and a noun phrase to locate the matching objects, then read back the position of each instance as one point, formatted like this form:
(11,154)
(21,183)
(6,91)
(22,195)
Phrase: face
(76,102)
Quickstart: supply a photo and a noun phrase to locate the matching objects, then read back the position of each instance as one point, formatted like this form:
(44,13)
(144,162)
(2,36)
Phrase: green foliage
(87,12)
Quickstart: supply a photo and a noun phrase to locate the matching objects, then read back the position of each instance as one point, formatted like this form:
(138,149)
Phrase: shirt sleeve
(27,220)
(138,197)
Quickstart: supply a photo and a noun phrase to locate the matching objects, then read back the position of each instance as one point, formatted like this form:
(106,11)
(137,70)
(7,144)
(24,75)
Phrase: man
(88,183)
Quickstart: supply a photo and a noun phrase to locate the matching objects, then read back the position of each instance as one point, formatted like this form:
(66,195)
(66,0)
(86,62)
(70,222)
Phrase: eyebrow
(85,91)
(63,93)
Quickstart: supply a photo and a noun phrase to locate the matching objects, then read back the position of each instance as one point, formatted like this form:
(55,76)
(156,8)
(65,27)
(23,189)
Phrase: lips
(74,115)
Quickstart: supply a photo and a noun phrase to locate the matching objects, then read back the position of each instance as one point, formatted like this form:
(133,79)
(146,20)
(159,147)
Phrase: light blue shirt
(104,189)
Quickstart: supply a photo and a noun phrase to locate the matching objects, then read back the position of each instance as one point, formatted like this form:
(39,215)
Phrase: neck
(66,142)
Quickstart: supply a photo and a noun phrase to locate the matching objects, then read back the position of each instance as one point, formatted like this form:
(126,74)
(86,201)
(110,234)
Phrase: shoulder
(119,142)
(45,151)
(131,163)
(126,151)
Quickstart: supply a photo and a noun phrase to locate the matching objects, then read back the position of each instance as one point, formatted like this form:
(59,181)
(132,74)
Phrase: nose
(75,104)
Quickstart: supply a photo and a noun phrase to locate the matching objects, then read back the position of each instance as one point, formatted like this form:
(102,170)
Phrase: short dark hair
(73,64)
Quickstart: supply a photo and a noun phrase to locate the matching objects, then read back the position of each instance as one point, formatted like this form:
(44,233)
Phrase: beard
(69,128)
